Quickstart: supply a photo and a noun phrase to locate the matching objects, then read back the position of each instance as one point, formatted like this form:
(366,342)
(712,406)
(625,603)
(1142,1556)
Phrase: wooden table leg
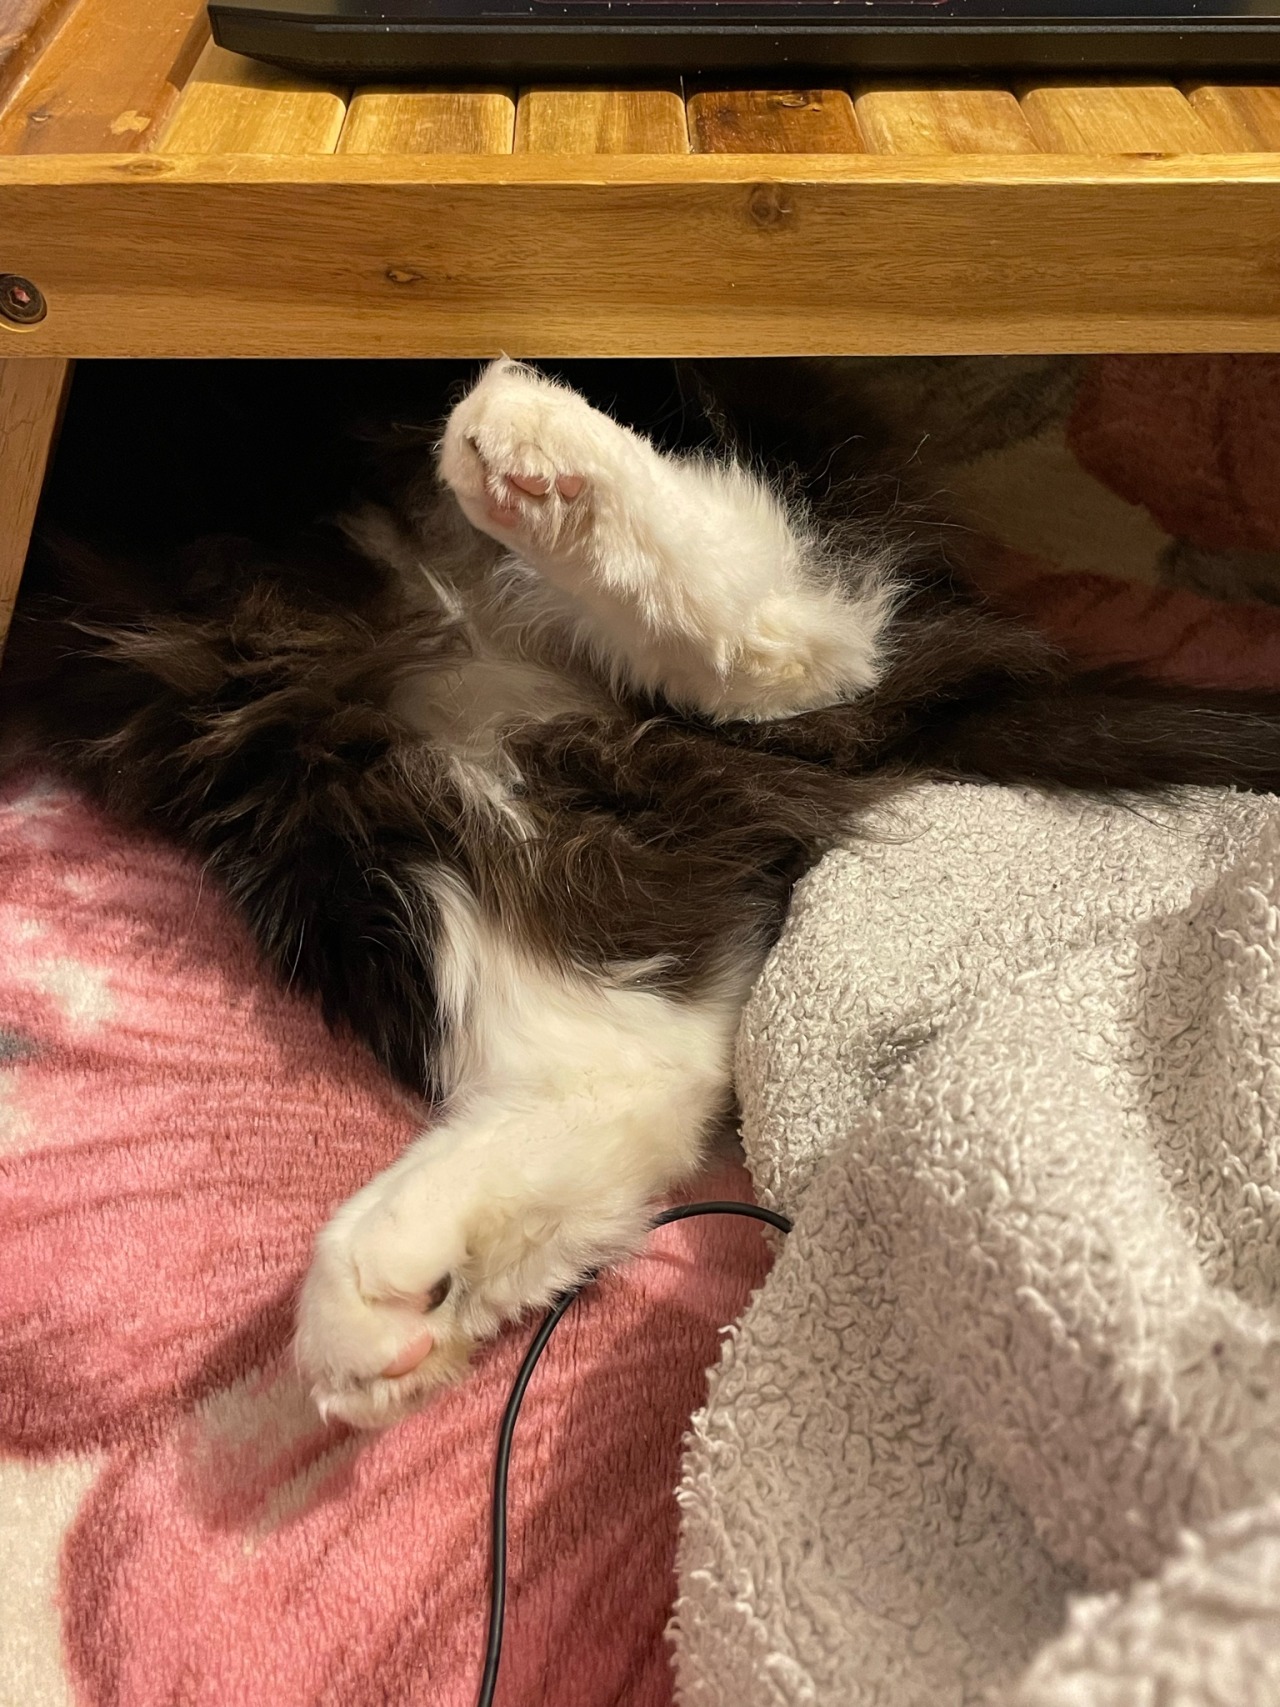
(31,396)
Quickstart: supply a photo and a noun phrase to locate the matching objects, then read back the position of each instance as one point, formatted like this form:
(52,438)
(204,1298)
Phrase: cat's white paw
(382,1317)
(688,577)
(527,458)
(432,1258)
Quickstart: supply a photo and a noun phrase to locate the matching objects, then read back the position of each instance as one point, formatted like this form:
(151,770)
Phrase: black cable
(511,1415)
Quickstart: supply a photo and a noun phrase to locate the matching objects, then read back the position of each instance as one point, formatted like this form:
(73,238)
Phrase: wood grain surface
(912,120)
(233,105)
(601,121)
(429,121)
(680,254)
(1238,115)
(1114,118)
(773,121)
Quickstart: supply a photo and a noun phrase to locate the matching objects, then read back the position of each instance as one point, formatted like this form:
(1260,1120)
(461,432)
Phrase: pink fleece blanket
(175,1127)
(175,1525)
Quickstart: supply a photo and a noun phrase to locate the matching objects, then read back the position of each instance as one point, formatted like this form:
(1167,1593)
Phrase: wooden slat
(367,255)
(31,394)
(1238,115)
(773,121)
(600,121)
(107,80)
(1113,118)
(902,120)
(429,121)
(233,105)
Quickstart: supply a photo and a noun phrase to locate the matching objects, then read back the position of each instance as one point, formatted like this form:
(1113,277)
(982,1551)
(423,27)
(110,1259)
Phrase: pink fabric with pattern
(178,1127)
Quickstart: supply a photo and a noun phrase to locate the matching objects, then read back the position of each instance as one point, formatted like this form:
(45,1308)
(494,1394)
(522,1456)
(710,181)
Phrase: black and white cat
(516,773)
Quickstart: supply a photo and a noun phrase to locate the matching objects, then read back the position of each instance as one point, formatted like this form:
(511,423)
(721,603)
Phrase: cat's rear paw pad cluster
(512,500)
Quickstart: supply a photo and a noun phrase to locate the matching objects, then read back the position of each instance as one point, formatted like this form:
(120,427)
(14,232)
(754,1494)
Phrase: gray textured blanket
(1004,1423)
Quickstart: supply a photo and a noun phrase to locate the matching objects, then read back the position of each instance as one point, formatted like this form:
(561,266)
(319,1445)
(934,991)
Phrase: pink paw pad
(503,507)
(537,486)
(413,1354)
(533,484)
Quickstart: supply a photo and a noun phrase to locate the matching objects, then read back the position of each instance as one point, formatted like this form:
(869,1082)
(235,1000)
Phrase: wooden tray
(170,199)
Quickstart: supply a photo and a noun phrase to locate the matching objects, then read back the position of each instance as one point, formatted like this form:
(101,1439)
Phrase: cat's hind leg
(685,577)
(579,1100)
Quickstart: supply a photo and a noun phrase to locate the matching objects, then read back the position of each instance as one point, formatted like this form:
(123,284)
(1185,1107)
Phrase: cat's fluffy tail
(1105,732)
(971,696)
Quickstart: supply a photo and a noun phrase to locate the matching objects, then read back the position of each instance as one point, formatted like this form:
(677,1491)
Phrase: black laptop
(390,40)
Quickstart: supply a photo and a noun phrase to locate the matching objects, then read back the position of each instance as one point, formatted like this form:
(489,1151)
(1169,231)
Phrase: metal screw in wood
(21,302)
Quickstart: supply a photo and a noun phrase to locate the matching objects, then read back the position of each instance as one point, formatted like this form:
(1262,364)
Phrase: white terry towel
(1004,1423)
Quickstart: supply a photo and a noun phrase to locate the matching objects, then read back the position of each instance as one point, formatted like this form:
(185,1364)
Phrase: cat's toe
(376,1402)
(531,485)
